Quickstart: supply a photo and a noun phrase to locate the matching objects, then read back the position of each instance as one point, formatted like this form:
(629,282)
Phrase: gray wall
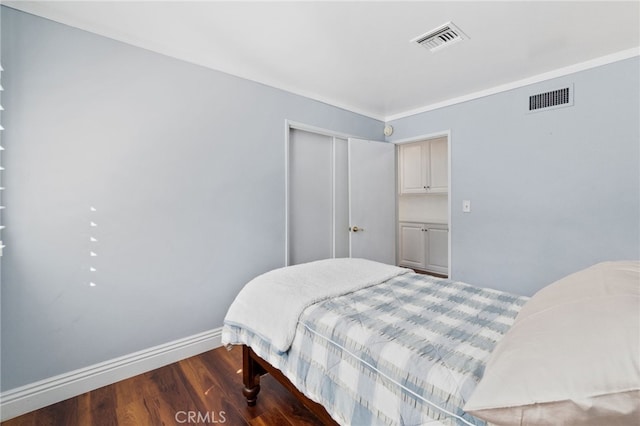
(185,167)
(551,192)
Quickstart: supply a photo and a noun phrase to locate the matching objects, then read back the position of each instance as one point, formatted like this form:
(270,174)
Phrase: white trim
(333,197)
(421,138)
(449,197)
(318,98)
(287,135)
(560,72)
(436,135)
(349,195)
(33,396)
(319,130)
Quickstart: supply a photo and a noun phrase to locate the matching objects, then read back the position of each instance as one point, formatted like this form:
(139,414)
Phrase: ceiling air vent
(550,100)
(444,35)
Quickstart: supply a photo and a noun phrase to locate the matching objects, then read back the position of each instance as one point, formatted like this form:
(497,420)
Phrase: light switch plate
(466,206)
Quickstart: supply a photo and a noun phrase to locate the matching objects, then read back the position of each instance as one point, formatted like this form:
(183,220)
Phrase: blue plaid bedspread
(408,351)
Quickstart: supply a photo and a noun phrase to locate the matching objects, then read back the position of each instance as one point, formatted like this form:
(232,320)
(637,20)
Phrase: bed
(362,343)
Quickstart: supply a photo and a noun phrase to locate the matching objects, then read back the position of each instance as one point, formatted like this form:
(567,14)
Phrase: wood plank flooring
(204,389)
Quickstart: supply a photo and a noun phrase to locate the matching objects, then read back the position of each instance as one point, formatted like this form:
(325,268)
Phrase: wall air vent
(443,36)
(551,100)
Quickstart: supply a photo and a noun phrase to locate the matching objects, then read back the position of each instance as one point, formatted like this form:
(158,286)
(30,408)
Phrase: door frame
(293,125)
(435,135)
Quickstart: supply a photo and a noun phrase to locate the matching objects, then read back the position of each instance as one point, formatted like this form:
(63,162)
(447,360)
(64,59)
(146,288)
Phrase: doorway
(424,203)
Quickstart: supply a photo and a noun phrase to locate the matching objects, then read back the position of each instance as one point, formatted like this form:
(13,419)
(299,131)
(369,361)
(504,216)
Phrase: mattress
(407,351)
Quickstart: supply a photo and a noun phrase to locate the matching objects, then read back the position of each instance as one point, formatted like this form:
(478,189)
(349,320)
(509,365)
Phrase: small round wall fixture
(388,130)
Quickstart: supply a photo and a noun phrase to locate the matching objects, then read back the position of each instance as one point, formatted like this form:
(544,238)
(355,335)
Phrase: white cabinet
(437,241)
(412,245)
(424,246)
(424,167)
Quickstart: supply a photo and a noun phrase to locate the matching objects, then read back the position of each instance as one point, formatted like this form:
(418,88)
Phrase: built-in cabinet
(424,246)
(423,167)
(423,189)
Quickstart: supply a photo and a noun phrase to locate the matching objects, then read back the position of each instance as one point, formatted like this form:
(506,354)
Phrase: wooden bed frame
(253,367)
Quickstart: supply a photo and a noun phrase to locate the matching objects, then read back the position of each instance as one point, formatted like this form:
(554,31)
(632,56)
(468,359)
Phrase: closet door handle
(356,229)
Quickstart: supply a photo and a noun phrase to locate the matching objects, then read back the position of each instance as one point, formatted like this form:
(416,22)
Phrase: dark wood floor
(204,389)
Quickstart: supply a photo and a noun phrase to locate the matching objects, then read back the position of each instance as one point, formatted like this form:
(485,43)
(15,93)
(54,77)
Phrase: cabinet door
(412,245)
(412,168)
(438,166)
(437,250)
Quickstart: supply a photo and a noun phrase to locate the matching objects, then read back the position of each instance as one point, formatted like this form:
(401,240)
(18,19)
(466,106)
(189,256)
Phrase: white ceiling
(357,55)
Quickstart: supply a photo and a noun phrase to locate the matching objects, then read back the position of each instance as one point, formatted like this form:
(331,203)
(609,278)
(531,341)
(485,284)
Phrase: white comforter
(270,304)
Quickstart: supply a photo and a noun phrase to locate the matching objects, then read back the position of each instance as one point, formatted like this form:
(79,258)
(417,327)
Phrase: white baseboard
(33,396)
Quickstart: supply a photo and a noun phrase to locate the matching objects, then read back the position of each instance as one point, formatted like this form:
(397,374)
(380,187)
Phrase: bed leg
(251,372)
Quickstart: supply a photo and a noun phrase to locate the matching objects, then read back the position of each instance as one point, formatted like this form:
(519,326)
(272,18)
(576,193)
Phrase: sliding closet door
(318,197)
(310,197)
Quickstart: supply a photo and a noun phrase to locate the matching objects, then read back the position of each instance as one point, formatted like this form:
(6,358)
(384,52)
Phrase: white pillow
(572,355)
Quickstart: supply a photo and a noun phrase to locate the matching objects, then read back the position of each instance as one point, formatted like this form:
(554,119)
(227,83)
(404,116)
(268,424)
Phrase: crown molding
(560,72)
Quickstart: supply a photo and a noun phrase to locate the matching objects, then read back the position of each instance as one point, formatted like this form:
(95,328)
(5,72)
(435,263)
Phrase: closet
(340,198)
(423,229)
